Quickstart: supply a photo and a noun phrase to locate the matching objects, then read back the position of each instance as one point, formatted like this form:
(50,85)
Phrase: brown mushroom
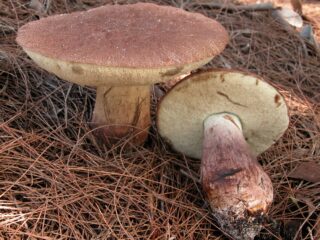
(226,118)
(122,50)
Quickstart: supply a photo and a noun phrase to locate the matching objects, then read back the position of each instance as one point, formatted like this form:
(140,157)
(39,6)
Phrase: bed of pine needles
(58,182)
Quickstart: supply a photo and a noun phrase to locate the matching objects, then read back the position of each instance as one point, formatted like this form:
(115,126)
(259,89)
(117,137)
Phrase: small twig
(231,7)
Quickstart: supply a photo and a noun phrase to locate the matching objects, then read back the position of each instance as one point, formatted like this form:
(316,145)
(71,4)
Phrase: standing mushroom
(122,50)
(226,118)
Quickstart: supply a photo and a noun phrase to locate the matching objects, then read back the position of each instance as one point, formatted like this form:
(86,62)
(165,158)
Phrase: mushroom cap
(123,44)
(260,107)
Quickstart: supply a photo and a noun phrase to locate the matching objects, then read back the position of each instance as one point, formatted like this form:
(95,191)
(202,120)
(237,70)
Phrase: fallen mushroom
(226,118)
(122,50)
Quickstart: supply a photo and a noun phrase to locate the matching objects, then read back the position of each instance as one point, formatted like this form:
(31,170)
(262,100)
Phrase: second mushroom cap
(260,108)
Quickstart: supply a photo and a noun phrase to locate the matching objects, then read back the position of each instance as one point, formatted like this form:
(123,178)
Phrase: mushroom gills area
(122,112)
(238,190)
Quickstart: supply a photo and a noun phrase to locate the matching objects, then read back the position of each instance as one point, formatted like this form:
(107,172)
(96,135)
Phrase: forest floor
(58,182)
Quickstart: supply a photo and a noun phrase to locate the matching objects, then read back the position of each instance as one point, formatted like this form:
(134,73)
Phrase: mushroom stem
(238,190)
(122,111)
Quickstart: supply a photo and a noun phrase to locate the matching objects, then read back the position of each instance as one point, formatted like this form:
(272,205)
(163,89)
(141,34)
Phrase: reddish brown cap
(141,35)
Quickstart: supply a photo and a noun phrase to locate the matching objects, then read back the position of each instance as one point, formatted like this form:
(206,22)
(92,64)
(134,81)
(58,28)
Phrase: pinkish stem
(237,188)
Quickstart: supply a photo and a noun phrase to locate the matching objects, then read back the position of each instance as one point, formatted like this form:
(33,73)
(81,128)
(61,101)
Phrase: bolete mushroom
(226,118)
(122,50)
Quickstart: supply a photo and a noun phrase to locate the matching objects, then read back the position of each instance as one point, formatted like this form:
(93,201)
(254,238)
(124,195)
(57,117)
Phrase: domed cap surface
(141,35)
(261,109)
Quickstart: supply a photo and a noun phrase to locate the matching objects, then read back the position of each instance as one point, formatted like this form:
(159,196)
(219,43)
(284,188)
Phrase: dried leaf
(288,16)
(308,171)
(307,33)
(297,6)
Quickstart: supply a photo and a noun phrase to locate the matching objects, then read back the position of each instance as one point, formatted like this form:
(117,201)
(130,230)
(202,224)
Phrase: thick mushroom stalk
(122,111)
(228,118)
(237,188)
